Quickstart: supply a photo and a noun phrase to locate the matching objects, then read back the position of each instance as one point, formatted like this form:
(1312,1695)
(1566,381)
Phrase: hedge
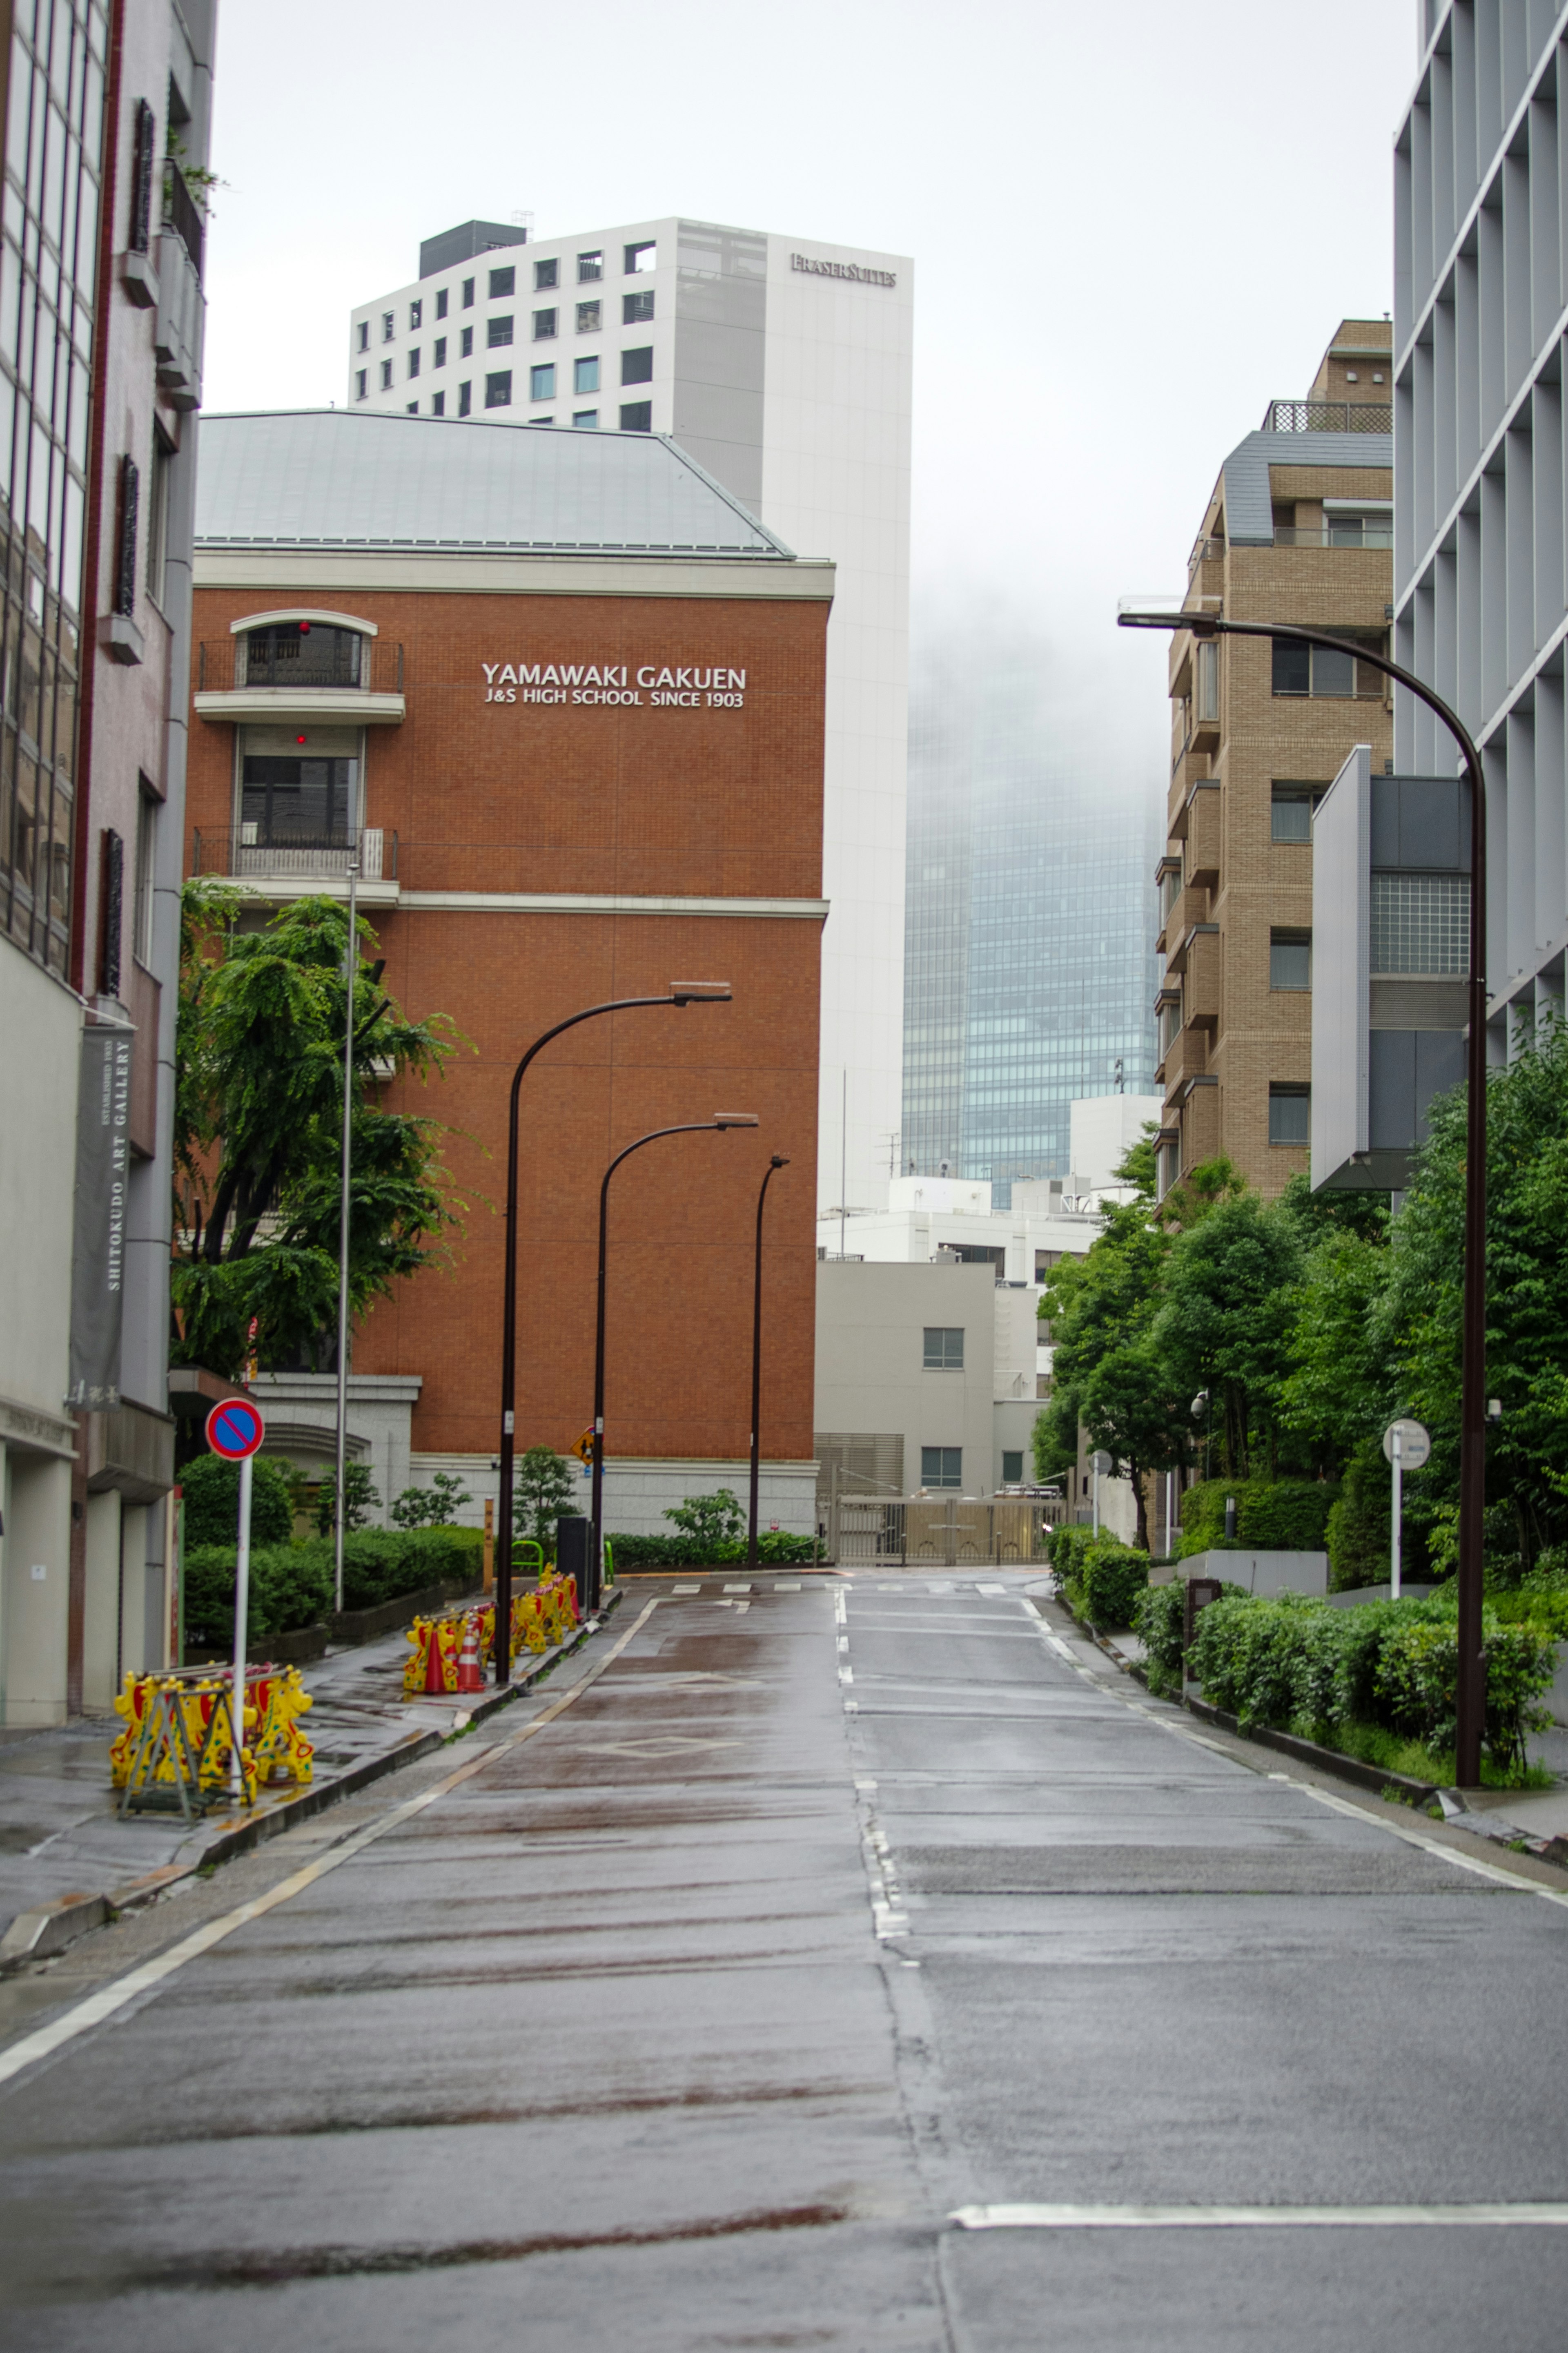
(775,1547)
(1271,1515)
(210,1489)
(292,1584)
(1101,1579)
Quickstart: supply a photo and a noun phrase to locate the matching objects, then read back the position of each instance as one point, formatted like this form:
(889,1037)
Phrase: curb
(37,1934)
(1375,1777)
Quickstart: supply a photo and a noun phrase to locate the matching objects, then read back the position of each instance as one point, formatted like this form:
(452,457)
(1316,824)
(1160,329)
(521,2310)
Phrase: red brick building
(566,698)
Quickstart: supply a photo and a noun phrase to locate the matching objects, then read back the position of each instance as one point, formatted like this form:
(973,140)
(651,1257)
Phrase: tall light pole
(721,1119)
(779,1160)
(1471,1694)
(680,992)
(351,973)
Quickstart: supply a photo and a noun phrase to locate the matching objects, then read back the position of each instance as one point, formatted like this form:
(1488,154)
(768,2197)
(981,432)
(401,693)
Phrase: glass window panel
(10,299)
(17,120)
(943,1348)
(1292,666)
(503,284)
(1334,673)
(1290,1115)
(1421,922)
(542,383)
(1291,815)
(585,376)
(1290,962)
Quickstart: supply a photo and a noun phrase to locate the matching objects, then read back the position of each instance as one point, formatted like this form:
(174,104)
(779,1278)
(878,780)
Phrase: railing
(939,1531)
(183,214)
(298,859)
(1205,551)
(181,322)
(327,661)
(1333,535)
(1329,417)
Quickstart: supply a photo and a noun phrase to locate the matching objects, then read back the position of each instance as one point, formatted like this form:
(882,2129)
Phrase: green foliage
(360,1499)
(1158,1620)
(1361,1525)
(259,1090)
(775,1547)
(544,1490)
(1337,1389)
(290,1585)
(211,1490)
(709,1520)
(1112,1581)
(435,1506)
(1271,1515)
(1201,1190)
(1226,1323)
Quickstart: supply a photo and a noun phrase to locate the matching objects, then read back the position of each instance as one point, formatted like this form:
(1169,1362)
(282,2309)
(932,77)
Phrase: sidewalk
(67,1858)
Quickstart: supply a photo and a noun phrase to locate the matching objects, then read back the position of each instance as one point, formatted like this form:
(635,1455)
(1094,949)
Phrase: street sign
(1414,1444)
(235,1428)
(1100,1461)
(584,1448)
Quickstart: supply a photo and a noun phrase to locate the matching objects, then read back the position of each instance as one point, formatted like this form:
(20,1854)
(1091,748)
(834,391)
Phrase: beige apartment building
(1299,528)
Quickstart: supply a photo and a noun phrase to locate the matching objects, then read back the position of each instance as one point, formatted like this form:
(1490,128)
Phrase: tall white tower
(784,367)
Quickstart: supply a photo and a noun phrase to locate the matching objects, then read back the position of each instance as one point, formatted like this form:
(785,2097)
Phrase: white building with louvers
(783,366)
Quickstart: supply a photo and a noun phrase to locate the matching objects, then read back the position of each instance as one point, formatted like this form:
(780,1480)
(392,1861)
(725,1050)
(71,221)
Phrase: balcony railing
(300,861)
(183,214)
(1333,534)
(1205,551)
(1329,417)
(326,662)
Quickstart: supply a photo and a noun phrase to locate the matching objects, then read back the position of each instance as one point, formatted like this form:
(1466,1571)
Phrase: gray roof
(328,478)
(1248,509)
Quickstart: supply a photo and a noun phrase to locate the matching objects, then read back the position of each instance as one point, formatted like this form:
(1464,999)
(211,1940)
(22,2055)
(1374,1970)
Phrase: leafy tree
(709,1520)
(435,1506)
(1225,1323)
(1338,1391)
(1201,1190)
(543,1489)
(360,1499)
(258,1088)
(210,1489)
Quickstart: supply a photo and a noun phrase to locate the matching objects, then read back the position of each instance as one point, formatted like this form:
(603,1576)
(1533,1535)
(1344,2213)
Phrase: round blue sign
(235,1428)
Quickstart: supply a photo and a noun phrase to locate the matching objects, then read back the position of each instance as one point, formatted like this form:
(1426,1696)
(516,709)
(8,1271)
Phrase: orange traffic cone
(470,1674)
(434,1666)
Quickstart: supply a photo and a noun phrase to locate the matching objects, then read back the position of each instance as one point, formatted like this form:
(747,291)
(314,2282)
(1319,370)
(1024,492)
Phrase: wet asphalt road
(688,2020)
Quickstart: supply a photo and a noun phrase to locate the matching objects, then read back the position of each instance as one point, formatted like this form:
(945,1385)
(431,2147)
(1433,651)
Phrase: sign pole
(1393,1564)
(241,1603)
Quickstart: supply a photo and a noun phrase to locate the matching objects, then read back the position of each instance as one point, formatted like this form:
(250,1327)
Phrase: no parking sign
(235,1428)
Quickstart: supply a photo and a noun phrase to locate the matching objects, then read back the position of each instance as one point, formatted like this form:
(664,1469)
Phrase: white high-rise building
(784,367)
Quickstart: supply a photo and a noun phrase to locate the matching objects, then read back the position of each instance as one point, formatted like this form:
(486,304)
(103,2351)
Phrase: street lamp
(779,1160)
(1471,1694)
(680,992)
(721,1119)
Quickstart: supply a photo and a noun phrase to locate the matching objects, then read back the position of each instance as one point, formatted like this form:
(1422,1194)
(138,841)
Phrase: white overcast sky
(1133,224)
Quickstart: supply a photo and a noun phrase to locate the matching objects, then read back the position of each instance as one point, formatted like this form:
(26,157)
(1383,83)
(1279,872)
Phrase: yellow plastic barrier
(177,1743)
(539,1622)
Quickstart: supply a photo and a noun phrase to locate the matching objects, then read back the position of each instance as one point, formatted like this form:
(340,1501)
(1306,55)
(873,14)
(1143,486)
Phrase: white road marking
(686,1588)
(991,1589)
(941,1589)
(846,1674)
(783,1585)
(840,1609)
(737,1588)
(1255,2218)
(151,1973)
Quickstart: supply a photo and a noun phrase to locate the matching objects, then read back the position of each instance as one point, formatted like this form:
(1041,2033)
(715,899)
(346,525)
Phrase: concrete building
(1298,528)
(108,108)
(1028,965)
(1480,595)
(783,366)
(563,695)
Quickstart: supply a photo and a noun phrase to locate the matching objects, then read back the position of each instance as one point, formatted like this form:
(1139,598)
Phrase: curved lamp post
(1472,1675)
(780,1160)
(721,1119)
(680,992)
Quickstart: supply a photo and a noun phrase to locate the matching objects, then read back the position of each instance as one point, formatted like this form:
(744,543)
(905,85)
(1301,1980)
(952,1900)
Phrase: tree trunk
(1142,1501)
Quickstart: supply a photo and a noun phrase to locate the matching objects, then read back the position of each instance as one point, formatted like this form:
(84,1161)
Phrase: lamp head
(700,992)
(779,1160)
(736,1119)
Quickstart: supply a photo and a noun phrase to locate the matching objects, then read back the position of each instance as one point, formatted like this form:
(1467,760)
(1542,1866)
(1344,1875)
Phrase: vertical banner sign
(98,1255)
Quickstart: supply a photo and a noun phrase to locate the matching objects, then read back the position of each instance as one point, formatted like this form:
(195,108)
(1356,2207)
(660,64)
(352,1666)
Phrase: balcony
(181,322)
(296,866)
(1333,534)
(331,675)
(1329,417)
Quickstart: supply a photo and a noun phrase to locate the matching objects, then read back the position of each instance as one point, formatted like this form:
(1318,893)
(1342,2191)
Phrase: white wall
(1104,1129)
(870,1371)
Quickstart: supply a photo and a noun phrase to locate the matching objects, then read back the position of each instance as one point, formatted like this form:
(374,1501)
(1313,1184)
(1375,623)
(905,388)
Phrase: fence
(938,1531)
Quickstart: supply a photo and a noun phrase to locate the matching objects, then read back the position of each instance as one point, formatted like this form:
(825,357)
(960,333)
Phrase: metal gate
(938,1531)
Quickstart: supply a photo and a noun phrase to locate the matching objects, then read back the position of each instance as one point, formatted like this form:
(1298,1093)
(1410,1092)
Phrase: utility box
(574,1547)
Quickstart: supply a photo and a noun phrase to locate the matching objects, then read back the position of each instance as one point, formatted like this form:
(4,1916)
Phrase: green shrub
(380,1563)
(1360,1526)
(1111,1582)
(1271,1515)
(1158,1620)
(776,1546)
(211,1490)
(1065,1548)
(290,1585)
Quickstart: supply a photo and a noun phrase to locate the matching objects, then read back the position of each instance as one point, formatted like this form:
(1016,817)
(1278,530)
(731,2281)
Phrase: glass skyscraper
(1028,975)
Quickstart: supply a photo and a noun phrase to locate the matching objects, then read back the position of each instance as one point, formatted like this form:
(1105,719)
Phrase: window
(364,335)
(543,326)
(413,408)
(639,258)
(387,376)
(636,367)
(1324,671)
(590,266)
(360,386)
(303,654)
(158,516)
(542,383)
(465,399)
(1012,1457)
(498,332)
(635,307)
(1291,960)
(585,376)
(546,274)
(503,284)
(943,1348)
(437,404)
(636,416)
(439,357)
(498,390)
(1421,922)
(416,317)
(1291,819)
(942,1466)
(468,294)
(588,318)
(414,361)
(1345,527)
(586,418)
(542,420)
(146,870)
(296,797)
(441,303)
(1290,1115)
(388,325)
(467,345)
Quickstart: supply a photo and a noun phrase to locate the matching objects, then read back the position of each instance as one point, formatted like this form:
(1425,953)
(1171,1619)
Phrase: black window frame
(636,416)
(946,1473)
(498,333)
(494,397)
(468,294)
(1283,1092)
(544,326)
(633,368)
(630,256)
(637,309)
(441,295)
(438,353)
(503,283)
(593,276)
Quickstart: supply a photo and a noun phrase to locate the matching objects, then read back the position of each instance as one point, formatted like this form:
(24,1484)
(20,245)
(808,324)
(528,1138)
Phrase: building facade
(1028,972)
(579,763)
(1480,597)
(108,111)
(784,367)
(1298,528)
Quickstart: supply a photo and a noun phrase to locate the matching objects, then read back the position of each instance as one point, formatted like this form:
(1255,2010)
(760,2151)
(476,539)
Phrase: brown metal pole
(779,1160)
(1471,1693)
